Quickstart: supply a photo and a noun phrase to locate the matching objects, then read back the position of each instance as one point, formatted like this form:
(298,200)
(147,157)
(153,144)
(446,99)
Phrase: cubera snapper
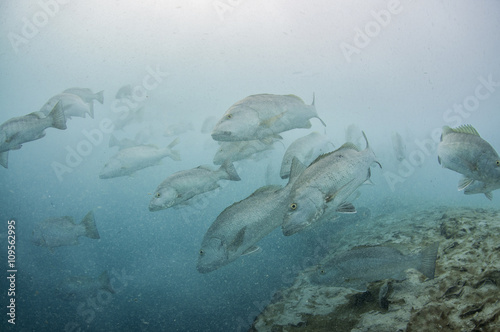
(27,128)
(72,105)
(357,267)
(263,115)
(462,150)
(327,183)
(240,226)
(134,158)
(480,187)
(86,94)
(62,231)
(184,185)
(240,150)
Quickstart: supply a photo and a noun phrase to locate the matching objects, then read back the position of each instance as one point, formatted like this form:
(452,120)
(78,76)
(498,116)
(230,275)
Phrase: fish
(480,187)
(306,149)
(263,115)
(87,95)
(27,128)
(71,104)
(129,160)
(359,266)
(462,150)
(178,129)
(121,144)
(181,186)
(240,226)
(240,150)
(328,182)
(125,92)
(135,115)
(354,135)
(83,287)
(398,146)
(62,231)
(208,124)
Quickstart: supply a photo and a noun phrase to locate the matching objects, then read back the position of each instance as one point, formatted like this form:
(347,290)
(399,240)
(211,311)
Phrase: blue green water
(408,67)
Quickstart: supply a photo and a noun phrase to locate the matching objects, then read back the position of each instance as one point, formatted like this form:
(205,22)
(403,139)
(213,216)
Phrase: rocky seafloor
(463,296)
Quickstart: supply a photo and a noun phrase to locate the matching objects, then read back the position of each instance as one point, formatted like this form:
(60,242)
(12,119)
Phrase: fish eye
(157,195)
(229,116)
(202,253)
(498,162)
(322,271)
(293,206)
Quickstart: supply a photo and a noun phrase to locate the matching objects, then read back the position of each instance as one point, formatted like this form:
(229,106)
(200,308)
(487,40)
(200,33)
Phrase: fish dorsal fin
(321,156)
(348,145)
(298,98)
(465,129)
(238,240)
(271,187)
(346,207)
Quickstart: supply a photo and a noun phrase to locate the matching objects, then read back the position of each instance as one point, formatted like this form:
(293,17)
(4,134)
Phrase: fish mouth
(221,135)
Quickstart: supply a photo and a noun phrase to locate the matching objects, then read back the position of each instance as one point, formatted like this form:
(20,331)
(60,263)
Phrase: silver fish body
(240,226)
(184,185)
(327,183)
(72,105)
(239,150)
(357,267)
(129,160)
(263,115)
(462,150)
(62,231)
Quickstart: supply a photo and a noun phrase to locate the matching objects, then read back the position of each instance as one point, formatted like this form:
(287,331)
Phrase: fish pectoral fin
(238,240)
(464,183)
(251,250)
(489,195)
(346,207)
(269,122)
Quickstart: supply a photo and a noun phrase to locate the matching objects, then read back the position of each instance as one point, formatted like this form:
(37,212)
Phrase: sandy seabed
(463,296)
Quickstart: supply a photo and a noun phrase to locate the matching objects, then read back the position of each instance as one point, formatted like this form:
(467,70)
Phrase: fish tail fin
(91,110)
(100,96)
(314,98)
(228,167)
(90,227)
(174,154)
(105,282)
(4,159)
(58,118)
(428,260)
(317,117)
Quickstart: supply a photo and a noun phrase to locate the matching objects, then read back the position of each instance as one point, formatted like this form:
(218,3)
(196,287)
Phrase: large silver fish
(62,231)
(480,187)
(129,160)
(306,149)
(240,226)
(72,105)
(462,150)
(184,185)
(27,128)
(263,115)
(327,183)
(83,287)
(357,267)
(86,94)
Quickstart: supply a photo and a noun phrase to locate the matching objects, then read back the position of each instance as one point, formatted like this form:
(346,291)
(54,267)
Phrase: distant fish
(121,144)
(62,231)
(87,95)
(398,146)
(83,287)
(179,187)
(240,150)
(354,135)
(125,92)
(71,104)
(357,267)
(135,115)
(263,115)
(329,183)
(27,128)
(129,160)
(462,150)
(306,149)
(178,129)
